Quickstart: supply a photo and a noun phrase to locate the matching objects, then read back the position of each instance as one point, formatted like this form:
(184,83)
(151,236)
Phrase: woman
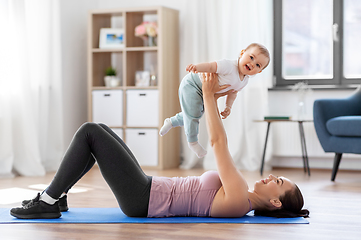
(214,194)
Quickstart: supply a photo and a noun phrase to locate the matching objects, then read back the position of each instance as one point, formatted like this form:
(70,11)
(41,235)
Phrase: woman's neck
(256,201)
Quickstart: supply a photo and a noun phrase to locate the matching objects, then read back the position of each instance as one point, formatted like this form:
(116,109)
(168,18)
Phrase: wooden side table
(306,166)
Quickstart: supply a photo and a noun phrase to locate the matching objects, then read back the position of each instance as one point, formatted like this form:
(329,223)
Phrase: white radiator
(286,147)
(287,141)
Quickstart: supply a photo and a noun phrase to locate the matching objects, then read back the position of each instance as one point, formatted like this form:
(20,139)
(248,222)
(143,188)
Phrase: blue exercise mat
(115,215)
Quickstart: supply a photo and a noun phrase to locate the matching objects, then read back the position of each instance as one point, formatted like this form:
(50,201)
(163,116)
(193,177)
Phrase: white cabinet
(119,132)
(134,112)
(144,145)
(108,107)
(142,108)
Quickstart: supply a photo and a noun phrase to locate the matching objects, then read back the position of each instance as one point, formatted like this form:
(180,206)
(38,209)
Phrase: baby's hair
(262,49)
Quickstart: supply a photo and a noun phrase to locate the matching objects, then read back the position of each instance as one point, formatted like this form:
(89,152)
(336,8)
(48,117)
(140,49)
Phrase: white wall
(74,22)
(74,16)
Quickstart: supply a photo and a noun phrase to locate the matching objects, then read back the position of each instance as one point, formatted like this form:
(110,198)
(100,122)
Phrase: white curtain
(213,30)
(30,87)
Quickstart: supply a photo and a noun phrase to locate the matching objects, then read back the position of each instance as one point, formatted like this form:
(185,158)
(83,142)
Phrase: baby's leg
(197,149)
(191,100)
(176,120)
(169,123)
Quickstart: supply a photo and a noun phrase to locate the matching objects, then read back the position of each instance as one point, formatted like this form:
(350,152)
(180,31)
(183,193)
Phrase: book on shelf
(277,118)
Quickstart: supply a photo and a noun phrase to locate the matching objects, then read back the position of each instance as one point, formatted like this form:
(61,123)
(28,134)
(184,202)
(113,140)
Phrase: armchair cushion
(345,126)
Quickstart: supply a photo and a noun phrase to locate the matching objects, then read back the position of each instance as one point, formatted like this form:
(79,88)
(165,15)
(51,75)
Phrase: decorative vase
(145,41)
(301,110)
(152,41)
(302,90)
(111,81)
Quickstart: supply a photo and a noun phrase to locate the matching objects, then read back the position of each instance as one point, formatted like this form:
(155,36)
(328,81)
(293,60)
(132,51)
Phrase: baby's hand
(191,68)
(226,112)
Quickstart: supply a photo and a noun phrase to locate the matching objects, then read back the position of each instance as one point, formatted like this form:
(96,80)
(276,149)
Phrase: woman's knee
(92,125)
(103,125)
(87,126)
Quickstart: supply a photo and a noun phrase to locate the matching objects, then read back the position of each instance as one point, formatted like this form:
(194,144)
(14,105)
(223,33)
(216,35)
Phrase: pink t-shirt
(178,196)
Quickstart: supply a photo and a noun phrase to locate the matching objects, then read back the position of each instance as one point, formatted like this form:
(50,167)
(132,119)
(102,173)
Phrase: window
(352,38)
(317,41)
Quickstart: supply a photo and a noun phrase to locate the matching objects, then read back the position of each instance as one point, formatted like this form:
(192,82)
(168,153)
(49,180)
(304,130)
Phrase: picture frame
(142,78)
(111,38)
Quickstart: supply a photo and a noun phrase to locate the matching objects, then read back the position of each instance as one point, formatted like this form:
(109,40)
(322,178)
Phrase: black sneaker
(63,203)
(37,209)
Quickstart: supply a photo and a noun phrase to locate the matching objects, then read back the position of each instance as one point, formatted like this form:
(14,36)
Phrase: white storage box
(144,145)
(119,132)
(108,107)
(142,108)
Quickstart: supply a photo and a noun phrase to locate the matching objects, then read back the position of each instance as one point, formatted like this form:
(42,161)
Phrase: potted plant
(110,78)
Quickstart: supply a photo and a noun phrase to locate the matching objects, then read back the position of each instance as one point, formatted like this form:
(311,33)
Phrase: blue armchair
(338,126)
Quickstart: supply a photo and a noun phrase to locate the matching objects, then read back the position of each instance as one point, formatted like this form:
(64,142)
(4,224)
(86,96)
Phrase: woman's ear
(276,202)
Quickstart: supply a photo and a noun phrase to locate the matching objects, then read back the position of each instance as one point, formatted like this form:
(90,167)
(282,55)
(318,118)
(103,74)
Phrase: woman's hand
(210,84)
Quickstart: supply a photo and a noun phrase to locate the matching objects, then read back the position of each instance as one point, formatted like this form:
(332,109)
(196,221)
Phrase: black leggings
(97,142)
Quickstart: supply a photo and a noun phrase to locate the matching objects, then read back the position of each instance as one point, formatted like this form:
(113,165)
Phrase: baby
(251,61)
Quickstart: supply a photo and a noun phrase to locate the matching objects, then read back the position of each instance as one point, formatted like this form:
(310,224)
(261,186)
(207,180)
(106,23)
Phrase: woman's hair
(262,49)
(292,203)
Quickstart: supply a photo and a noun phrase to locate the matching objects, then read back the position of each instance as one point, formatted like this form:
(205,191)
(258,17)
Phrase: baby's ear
(241,53)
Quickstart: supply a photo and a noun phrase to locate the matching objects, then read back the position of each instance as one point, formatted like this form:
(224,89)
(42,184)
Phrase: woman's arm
(233,201)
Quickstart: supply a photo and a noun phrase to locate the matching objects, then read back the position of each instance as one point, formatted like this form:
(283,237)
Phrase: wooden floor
(335,212)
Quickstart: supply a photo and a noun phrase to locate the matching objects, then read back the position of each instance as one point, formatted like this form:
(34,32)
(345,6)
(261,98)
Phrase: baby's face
(252,62)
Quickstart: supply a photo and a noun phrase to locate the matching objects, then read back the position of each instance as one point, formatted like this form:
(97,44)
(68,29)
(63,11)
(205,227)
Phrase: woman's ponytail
(292,203)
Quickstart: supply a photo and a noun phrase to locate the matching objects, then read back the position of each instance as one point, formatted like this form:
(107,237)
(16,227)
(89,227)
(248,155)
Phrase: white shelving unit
(137,113)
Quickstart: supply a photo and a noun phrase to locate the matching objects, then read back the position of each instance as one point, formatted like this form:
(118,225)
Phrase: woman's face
(273,187)
(252,61)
